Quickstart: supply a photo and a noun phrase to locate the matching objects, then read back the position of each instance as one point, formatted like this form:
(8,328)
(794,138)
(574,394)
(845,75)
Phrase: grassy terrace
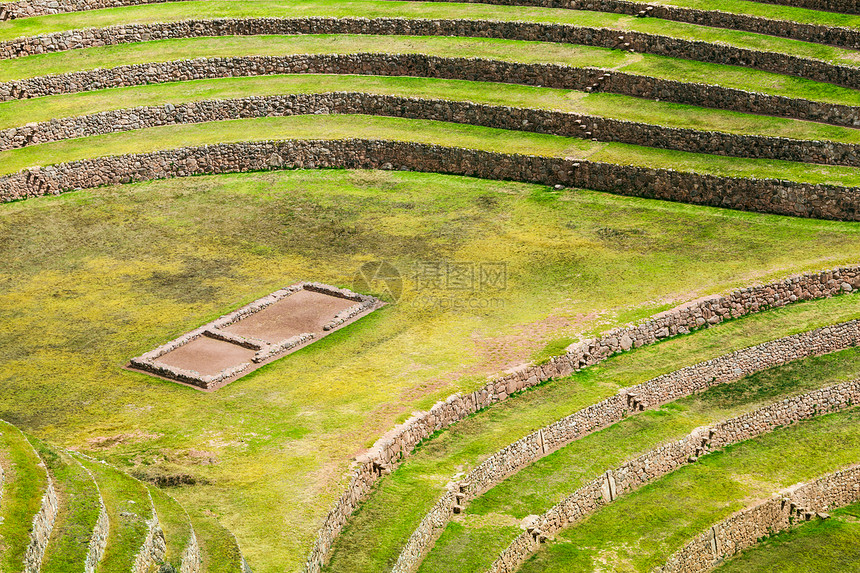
(378,9)
(664,515)
(421,131)
(505,50)
(378,530)
(107,274)
(128,508)
(218,549)
(472,542)
(77,514)
(20,112)
(25,484)
(174,522)
(829,546)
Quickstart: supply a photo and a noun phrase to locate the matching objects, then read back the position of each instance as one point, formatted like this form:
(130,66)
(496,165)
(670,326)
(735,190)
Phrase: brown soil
(207,356)
(304,311)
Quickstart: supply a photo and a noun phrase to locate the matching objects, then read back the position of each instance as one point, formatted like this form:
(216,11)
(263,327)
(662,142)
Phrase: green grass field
(110,273)
(92,278)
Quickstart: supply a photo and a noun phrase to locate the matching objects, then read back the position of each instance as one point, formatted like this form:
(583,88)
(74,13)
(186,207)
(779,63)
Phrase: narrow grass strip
(823,546)
(175,524)
(177,11)
(128,508)
(25,484)
(78,512)
(504,50)
(20,112)
(419,131)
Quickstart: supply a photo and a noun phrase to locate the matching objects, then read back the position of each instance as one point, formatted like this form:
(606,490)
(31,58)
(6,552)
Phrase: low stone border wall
(43,524)
(391,448)
(647,395)
(818,70)
(151,553)
(191,559)
(787,509)
(843,6)
(421,65)
(830,35)
(666,459)
(99,537)
(501,117)
(749,194)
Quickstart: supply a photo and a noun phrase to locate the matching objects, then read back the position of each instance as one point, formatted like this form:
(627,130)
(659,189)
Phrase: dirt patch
(304,311)
(207,356)
(104,442)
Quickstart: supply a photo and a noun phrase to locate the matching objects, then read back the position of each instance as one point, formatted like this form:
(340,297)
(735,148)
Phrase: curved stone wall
(666,459)
(786,509)
(43,525)
(651,394)
(818,70)
(501,117)
(420,65)
(396,444)
(830,35)
(759,195)
(843,6)
(191,559)
(151,553)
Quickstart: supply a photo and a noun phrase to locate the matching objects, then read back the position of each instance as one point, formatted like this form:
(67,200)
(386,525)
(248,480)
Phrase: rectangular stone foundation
(265,330)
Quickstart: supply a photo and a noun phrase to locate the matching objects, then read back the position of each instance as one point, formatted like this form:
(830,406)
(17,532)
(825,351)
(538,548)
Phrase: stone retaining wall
(787,509)
(666,459)
(191,559)
(151,553)
(501,117)
(391,448)
(627,401)
(817,33)
(759,195)
(43,523)
(99,537)
(843,6)
(831,35)
(818,70)
(421,65)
